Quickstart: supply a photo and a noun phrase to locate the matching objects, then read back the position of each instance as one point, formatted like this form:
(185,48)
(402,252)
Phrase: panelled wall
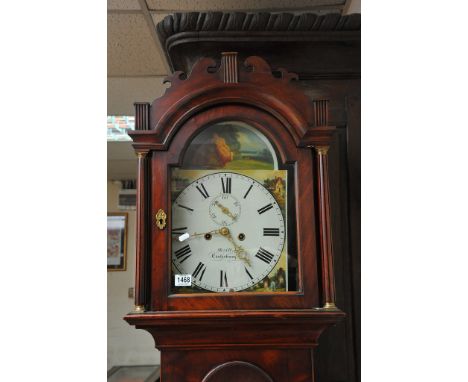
(338,355)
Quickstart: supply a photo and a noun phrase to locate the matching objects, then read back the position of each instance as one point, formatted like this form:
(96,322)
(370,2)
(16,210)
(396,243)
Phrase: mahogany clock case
(198,333)
(325,51)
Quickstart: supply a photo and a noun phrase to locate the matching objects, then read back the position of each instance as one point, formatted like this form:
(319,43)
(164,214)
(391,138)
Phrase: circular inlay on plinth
(237,371)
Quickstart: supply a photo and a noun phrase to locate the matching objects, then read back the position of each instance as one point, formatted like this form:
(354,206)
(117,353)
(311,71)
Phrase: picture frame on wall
(117,223)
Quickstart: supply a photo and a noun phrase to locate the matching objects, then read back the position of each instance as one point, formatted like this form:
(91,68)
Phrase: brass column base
(330,306)
(139,309)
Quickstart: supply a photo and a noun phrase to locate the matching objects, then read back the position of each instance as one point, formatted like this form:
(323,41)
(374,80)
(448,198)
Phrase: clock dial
(228,232)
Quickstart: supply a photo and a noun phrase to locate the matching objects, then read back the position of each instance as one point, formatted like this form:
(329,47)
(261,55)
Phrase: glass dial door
(230,215)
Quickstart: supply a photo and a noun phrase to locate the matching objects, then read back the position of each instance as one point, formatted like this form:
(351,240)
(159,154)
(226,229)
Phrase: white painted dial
(228,232)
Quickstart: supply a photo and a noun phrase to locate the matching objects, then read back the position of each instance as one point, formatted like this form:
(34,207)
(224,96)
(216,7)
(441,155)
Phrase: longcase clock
(234,273)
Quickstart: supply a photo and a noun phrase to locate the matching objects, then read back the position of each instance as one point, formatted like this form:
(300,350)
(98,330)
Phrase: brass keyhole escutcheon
(161,219)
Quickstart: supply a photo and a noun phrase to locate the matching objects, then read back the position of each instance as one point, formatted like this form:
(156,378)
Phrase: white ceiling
(169,6)
(136,64)
(131,49)
(135,59)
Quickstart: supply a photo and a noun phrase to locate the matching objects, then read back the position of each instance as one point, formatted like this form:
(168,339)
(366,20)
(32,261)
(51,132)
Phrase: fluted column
(229,67)
(328,278)
(141,243)
(142,115)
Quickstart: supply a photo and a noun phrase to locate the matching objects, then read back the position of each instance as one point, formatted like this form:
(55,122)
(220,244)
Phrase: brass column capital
(322,150)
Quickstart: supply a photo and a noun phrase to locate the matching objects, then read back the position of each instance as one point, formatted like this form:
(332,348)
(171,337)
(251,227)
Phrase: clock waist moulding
(237,335)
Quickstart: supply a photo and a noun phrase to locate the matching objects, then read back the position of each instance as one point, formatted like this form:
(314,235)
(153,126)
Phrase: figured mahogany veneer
(233,329)
(194,344)
(260,336)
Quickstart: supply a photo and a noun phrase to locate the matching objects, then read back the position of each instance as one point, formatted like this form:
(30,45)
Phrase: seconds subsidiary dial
(228,232)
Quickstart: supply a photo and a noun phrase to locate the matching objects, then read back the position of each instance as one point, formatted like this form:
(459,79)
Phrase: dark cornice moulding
(331,42)
(255,22)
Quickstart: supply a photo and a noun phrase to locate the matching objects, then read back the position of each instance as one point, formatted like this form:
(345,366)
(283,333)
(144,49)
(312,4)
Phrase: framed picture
(117,241)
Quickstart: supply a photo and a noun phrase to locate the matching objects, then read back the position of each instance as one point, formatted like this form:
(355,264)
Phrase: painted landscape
(230,145)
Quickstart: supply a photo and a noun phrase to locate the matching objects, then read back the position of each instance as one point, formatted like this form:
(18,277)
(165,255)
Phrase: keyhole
(161,219)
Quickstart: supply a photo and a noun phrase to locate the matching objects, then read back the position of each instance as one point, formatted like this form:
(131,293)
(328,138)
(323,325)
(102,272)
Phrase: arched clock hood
(273,332)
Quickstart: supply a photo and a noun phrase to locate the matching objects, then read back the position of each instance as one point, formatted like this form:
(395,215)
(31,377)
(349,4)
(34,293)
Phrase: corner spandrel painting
(231,146)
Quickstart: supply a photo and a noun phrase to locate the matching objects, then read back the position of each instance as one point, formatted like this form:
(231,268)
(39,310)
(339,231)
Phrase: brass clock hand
(224,231)
(225,210)
(204,233)
(238,249)
(186,235)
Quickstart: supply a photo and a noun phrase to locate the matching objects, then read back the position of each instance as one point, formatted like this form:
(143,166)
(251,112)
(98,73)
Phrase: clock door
(235,205)
(230,215)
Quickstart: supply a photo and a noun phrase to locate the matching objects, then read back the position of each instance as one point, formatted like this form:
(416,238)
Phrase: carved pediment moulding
(253,85)
(252,22)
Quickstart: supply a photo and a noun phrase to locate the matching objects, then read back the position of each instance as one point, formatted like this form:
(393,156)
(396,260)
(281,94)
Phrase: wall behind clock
(125,345)
(129,80)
